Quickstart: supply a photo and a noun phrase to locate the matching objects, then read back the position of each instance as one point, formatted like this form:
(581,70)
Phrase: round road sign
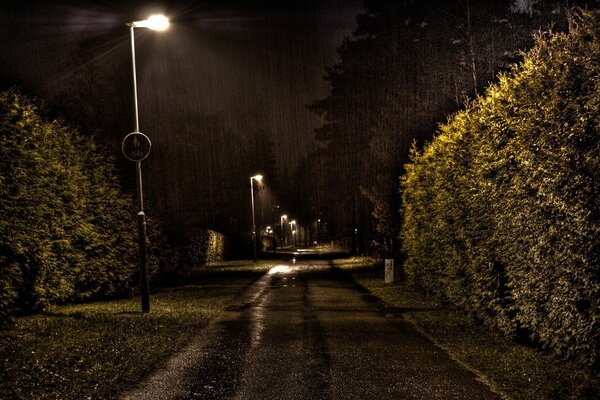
(136,146)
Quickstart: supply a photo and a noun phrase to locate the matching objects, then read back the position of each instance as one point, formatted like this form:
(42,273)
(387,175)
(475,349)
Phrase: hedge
(501,210)
(67,231)
(205,245)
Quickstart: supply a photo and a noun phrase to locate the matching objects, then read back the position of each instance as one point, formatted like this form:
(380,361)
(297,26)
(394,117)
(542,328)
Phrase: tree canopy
(407,66)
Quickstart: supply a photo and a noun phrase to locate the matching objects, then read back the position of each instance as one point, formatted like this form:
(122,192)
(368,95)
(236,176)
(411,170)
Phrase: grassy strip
(519,371)
(97,350)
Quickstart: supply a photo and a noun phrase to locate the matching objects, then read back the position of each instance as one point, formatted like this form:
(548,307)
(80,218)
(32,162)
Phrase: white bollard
(390,273)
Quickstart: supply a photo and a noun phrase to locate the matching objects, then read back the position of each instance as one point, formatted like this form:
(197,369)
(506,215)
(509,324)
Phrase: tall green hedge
(204,245)
(67,231)
(501,210)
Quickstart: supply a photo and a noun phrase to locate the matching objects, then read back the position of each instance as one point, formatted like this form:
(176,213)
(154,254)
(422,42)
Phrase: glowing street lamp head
(156,22)
(257,178)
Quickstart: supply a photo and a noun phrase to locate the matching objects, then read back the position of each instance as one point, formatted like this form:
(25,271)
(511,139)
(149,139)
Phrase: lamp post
(318,232)
(282,229)
(136,147)
(258,178)
(293,229)
(273,230)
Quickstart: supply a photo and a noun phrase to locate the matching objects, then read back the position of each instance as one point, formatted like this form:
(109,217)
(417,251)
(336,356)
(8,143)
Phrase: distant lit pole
(138,149)
(282,228)
(273,219)
(258,178)
(318,232)
(293,228)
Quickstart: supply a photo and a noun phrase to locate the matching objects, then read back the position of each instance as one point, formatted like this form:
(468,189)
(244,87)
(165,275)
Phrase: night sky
(250,68)
(251,62)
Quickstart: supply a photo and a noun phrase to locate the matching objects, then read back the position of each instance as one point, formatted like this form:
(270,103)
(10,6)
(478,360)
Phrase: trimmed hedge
(501,210)
(67,231)
(205,245)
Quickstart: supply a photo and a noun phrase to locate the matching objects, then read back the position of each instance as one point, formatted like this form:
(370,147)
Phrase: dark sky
(255,63)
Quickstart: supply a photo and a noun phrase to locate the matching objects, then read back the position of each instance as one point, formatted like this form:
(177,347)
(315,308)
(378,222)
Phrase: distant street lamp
(258,178)
(293,228)
(136,147)
(318,232)
(282,228)
(273,230)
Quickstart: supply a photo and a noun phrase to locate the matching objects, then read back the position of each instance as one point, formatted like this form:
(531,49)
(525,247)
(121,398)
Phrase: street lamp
(136,147)
(318,232)
(258,178)
(293,228)
(155,22)
(282,229)
(273,207)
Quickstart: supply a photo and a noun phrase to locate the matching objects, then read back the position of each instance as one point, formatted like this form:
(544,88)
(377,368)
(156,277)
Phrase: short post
(390,271)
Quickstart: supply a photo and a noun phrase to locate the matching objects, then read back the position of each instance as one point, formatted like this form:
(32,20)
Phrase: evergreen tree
(408,65)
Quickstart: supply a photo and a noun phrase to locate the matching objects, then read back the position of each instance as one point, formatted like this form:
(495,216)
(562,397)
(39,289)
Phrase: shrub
(67,231)
(205,245)
(501,208)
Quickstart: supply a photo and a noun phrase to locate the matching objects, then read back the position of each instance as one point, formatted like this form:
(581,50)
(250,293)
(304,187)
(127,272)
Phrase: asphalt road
(309,332)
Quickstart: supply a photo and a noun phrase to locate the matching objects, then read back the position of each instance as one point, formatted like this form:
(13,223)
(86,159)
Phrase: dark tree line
(196,176)
(200,177)
(408,65)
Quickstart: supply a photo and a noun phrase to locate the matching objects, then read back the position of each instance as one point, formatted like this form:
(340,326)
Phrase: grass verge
(98,350)
(518,371)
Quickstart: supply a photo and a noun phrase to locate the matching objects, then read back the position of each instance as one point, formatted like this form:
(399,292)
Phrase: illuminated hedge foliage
(205,245)
(500,210)
(67,231)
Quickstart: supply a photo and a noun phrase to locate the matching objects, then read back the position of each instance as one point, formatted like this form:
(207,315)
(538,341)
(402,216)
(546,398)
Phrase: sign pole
(136,149)
(142,238)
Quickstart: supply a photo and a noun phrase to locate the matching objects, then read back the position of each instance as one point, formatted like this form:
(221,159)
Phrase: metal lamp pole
(282,229)
(254,245)
(137,154)
(293,229)
(318,232)
(273,230)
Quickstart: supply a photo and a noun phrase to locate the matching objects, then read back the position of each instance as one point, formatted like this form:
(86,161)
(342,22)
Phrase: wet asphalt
(310,332)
